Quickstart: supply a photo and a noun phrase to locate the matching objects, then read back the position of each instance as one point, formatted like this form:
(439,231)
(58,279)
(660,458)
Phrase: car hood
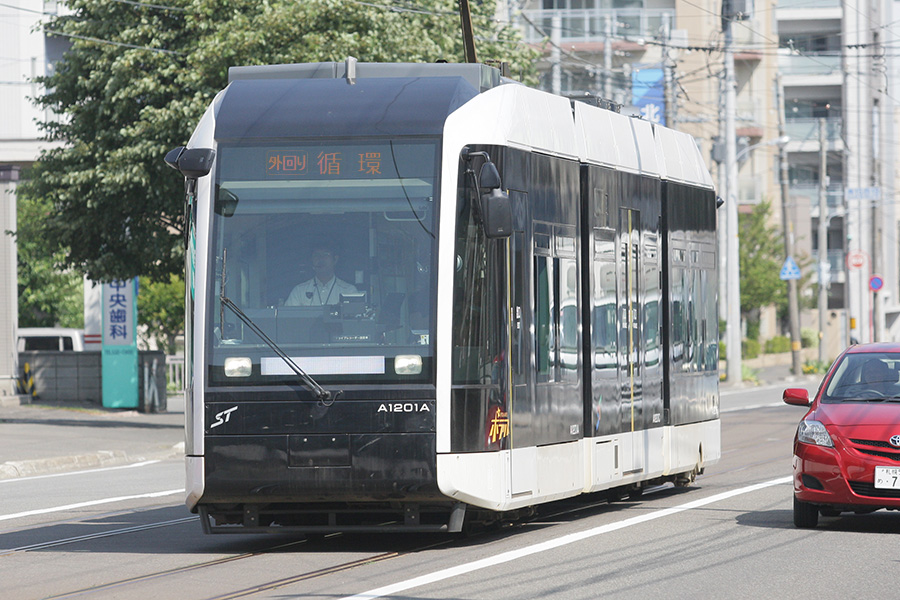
(861,419)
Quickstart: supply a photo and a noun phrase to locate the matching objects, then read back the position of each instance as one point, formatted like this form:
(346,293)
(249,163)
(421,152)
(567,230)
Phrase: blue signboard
(648,94)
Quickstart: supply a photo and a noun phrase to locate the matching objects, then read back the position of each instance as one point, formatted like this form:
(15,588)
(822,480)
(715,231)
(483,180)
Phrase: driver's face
(323,262)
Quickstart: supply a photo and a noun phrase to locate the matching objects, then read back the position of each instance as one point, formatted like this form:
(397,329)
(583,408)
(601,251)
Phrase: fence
(175,373)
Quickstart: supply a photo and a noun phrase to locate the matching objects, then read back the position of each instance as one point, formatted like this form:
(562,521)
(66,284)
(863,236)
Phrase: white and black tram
(526,306)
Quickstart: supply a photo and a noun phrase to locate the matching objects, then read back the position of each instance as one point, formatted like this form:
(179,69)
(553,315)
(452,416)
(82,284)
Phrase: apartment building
(836,66)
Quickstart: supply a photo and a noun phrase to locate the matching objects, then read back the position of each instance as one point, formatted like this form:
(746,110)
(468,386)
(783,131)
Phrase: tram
(525,306)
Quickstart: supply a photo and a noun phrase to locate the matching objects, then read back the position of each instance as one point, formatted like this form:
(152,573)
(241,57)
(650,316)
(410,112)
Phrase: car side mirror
(796,397)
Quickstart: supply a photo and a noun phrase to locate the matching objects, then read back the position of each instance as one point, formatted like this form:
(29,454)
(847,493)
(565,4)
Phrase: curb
(63,464)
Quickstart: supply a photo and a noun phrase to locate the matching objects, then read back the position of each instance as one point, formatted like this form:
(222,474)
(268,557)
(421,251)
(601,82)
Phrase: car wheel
(806,515)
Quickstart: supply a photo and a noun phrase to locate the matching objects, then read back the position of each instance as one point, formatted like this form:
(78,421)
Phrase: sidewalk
(43,438)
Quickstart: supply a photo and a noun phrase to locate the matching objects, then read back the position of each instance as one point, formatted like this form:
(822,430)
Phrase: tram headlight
(238,366)
(407,364)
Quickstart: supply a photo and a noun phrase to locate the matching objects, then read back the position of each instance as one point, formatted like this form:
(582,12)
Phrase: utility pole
(824,269)
(607,58)
(668,92)
(555,56)
(732,265)
(465,18)
(788,227)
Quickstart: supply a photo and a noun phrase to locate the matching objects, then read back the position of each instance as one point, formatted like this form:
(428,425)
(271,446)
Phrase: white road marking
(33,477)
(43,511)
(557,543)
(751,407)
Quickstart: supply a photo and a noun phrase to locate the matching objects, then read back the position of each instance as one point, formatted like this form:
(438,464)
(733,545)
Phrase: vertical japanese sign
(648,94)
(120,355)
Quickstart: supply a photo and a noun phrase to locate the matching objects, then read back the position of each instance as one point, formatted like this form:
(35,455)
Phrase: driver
(877,375)
(325,287)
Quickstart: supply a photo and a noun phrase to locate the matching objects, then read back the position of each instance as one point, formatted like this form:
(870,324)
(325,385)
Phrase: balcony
(834,196)
(808,5)
(806,130)
(588,25)
(815,65)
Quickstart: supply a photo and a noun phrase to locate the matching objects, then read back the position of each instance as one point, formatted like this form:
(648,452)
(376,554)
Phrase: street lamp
(779,141)
(732,263)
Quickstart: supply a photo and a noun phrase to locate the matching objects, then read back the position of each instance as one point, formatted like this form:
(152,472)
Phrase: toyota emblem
(895,441)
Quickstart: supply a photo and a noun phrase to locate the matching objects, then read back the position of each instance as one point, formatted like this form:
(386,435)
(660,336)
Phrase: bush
(749,375)
(809,337)
(750,348)
(722,355)
(778,344)
(812,367)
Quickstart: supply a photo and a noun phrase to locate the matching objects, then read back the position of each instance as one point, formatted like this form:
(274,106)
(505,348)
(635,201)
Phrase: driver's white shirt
(316,293)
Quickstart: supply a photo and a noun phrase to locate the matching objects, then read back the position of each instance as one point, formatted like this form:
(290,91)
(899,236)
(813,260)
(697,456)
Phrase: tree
(761,257)
(48,296)
(140,75)
(161,310)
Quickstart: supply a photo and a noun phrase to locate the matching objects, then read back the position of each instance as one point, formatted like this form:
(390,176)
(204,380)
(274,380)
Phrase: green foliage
(761,257)
(750,348)
(809,337)
(778,344)
(139,76)
(48,296)
(749,375)
(812,367)
(753,327)
(161,310)
(722,355)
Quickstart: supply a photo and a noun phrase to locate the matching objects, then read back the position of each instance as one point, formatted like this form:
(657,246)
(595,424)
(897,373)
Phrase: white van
(50,338)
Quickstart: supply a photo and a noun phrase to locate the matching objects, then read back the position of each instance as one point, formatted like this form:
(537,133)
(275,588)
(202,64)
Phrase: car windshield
(865,377)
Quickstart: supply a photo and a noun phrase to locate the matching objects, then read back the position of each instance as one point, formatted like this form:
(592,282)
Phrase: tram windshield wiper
(325,396)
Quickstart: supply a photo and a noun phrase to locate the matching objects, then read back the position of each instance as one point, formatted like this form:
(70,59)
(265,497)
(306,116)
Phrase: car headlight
(813,432)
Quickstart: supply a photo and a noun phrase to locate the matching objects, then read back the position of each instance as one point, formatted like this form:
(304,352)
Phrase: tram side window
(544,321)
(556,308)
(478,311)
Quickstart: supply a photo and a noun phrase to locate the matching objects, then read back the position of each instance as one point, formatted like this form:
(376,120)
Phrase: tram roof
(481,77)
(317,100)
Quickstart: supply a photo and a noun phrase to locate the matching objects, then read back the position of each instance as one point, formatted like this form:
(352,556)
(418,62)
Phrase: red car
(847,447)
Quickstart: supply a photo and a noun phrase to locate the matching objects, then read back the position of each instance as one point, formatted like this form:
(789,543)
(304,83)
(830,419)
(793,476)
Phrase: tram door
(523,475)
(629,295)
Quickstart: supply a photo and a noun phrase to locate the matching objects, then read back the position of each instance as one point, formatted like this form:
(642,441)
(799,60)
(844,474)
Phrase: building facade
(25,53)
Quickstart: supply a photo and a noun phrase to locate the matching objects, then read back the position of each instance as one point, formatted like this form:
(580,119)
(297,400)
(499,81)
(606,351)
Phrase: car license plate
(887,478)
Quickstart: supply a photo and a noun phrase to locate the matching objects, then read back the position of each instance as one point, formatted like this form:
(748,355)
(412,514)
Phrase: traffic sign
(790,270)
(856,259)
(876,283)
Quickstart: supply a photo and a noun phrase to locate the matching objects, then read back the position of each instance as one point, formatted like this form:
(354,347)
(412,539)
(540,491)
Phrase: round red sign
(856,259)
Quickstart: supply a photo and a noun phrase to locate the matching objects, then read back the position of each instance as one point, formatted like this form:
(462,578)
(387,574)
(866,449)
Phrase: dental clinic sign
(120,356)
(118,313)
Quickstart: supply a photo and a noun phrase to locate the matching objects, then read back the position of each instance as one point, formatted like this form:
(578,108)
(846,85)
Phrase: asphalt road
(123,533)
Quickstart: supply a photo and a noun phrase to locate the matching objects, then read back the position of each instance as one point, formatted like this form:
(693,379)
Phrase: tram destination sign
(332,161)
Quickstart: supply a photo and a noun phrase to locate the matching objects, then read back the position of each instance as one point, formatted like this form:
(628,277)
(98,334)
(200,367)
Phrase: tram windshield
(328,248)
